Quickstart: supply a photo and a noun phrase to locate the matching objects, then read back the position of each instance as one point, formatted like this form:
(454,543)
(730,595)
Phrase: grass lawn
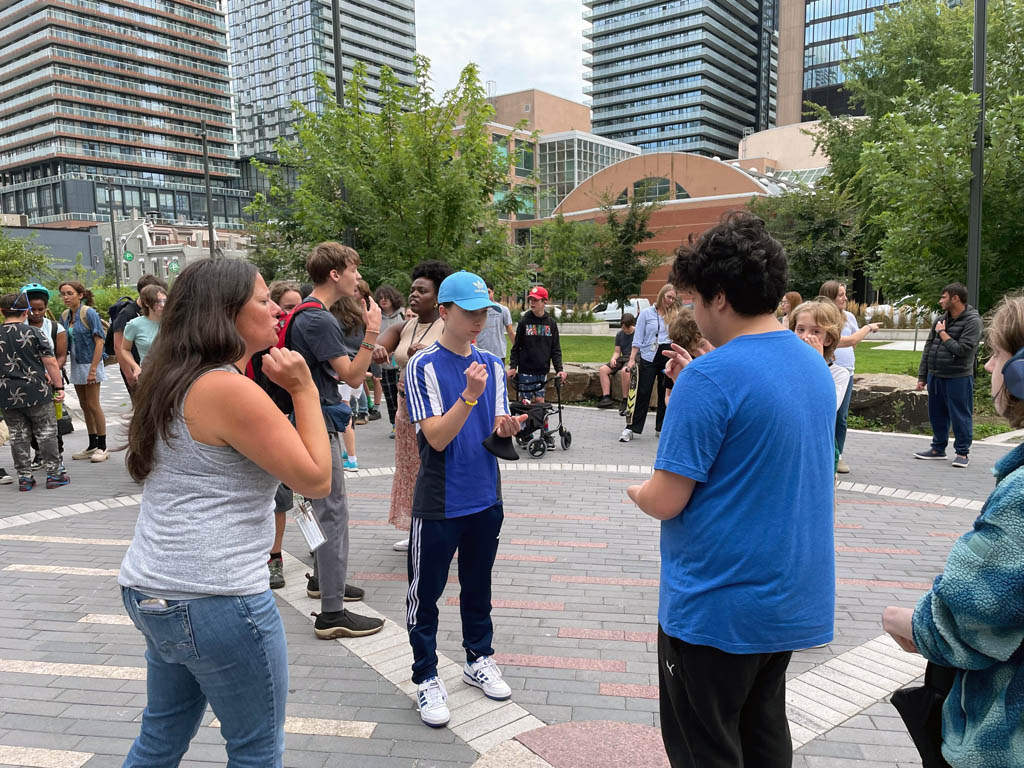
(598,349)
(870,359)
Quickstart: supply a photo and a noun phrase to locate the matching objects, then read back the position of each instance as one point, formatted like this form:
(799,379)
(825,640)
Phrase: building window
(651,188)
(525,158)
(523,237)
(527,197)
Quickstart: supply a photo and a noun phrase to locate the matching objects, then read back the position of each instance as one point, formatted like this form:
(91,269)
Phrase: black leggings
(647,375)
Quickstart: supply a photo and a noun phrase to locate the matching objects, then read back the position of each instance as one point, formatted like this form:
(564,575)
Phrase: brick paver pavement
(575,591)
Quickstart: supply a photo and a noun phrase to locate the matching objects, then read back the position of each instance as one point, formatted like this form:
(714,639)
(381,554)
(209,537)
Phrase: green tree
(564,251)
(819,230)
(907,163)
(619,266)
(22,260)
(412,182)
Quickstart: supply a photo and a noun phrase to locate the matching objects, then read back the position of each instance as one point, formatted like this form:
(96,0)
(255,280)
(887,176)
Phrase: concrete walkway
(575,595)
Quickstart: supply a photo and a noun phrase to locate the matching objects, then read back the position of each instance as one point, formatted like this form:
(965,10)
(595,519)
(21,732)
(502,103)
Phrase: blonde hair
(1006,332)
(683,330)
(661,295)
(825,314)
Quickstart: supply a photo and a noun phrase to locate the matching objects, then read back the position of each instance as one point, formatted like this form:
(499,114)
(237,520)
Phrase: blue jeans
(841,414)
(228,651)
(951,403)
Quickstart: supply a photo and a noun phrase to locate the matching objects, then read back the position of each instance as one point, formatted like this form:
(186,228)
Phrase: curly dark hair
(434,271)
(737,257)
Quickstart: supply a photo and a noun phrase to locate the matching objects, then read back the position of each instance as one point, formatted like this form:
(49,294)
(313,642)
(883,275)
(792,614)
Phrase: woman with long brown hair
(650,343)
(86,369)
(194,580)
(403,341)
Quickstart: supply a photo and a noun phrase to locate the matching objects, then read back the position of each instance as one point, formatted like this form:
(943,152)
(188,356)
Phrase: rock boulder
(890,399)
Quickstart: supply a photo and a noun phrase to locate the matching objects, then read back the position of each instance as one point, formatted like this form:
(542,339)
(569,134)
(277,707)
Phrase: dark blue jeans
(228,651)
(432,545)
(841,414)
(951,404)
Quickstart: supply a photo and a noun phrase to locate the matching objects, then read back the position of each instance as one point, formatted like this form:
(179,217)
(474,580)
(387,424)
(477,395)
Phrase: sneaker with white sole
(85,453)
(100,454)
(485,674)
(432,702)
(401,546)
(626,436)
(961,462)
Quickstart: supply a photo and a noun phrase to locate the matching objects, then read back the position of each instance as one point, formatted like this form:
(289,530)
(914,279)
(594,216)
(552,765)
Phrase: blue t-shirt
(463,478)
(749,564)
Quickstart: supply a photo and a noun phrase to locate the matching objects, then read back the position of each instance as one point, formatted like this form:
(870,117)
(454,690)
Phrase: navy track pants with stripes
(432,545)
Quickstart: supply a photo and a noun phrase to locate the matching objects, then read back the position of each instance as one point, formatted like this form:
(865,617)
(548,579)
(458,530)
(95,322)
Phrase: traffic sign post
(129,256)
(173,267)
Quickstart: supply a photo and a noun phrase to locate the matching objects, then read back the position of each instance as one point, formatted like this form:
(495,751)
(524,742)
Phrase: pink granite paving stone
(560,662)
(528,605)
(590,743)
(546,543)
(886,584)
(848,526)
(879,550)
(564,579)
(630,691)
(582,633)
(527,558)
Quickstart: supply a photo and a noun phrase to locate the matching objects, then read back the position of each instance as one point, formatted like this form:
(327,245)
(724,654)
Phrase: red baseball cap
(539,292)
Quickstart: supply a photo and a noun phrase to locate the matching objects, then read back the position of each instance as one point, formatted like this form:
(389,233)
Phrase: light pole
(209,195)
(339,71)
(114,250)
(977,159)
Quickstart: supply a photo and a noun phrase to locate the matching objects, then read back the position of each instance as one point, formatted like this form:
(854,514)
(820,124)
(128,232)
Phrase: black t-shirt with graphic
(23,382)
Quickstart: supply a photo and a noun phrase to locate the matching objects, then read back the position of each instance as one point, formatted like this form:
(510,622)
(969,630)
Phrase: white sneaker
(432,701)
(626,436)
(401,546)
(485,674)
(126,418)
(85,453)
(100,454)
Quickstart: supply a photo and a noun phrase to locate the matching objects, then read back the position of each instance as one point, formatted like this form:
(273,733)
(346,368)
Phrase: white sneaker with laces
(626,436)
(432,702)
(401,546)
(485,674)
(100,454)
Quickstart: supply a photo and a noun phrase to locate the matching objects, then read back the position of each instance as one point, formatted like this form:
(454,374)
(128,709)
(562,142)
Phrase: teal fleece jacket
(973,620)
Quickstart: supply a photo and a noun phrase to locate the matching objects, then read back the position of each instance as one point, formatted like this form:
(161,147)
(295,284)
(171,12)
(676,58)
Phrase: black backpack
(281,397)
(113,312)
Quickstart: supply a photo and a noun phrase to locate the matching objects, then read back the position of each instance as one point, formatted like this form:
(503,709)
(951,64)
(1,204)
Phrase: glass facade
(278,45)
(691,75)
(831,29)
(567,160)
(102,102)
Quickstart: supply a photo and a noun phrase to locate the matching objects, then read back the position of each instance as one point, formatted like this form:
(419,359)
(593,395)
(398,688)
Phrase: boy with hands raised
(457,397)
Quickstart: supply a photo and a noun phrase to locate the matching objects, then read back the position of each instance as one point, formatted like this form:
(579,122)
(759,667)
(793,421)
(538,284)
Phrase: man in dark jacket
(947,369)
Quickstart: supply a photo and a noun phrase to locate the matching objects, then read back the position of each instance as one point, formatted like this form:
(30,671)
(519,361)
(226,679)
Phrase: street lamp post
(977,159)
(339,71)
(114,250)
(209,195)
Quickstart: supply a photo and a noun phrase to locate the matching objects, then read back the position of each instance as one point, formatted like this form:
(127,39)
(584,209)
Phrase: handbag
(921,710)
(64,424)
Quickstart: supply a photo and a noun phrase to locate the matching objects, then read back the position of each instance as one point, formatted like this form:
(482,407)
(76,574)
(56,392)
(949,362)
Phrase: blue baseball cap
(466,290)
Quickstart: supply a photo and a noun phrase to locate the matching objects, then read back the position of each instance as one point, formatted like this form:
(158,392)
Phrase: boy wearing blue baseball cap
(456,397)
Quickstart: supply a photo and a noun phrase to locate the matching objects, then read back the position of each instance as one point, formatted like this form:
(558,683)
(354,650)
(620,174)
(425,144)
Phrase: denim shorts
(79,373)
(531,384)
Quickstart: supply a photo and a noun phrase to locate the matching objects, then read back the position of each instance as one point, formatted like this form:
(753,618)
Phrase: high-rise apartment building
(817,36)
(688,75)
(278,45)
(102,101)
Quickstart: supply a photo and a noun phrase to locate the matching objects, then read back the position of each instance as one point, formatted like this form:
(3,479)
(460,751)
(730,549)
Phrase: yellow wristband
(470,403)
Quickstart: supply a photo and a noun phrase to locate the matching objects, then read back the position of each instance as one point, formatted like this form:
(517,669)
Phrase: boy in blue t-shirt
(744,488)
(456,396)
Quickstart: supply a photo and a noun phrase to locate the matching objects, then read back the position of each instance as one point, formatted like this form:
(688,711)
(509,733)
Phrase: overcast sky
(518,44)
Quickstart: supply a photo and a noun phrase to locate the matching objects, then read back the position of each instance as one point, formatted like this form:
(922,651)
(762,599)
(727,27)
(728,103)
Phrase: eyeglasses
(160,301)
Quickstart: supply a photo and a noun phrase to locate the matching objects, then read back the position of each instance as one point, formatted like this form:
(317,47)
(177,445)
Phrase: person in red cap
(535,349)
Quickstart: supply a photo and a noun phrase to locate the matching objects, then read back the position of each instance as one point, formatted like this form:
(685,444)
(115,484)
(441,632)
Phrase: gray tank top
(206,522)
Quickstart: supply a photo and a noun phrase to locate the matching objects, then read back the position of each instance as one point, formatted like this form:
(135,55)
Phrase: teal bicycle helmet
(35,288)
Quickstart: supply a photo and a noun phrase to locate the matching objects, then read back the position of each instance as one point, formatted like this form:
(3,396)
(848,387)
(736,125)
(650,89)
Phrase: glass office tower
(101,103)
(278,45)
(687,75)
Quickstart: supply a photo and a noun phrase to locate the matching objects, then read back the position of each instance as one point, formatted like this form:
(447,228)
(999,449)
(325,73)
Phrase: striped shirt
(463,478)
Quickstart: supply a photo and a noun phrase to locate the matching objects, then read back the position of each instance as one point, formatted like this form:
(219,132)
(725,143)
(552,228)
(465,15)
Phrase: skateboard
(634,380)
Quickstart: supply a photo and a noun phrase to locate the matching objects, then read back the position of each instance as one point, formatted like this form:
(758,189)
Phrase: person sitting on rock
(620,356)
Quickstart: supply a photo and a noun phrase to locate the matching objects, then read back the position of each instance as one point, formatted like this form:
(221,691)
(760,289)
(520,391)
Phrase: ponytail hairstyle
(81,290)
(197,334)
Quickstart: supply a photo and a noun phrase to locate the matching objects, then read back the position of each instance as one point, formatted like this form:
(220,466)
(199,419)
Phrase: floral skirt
(407,466)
